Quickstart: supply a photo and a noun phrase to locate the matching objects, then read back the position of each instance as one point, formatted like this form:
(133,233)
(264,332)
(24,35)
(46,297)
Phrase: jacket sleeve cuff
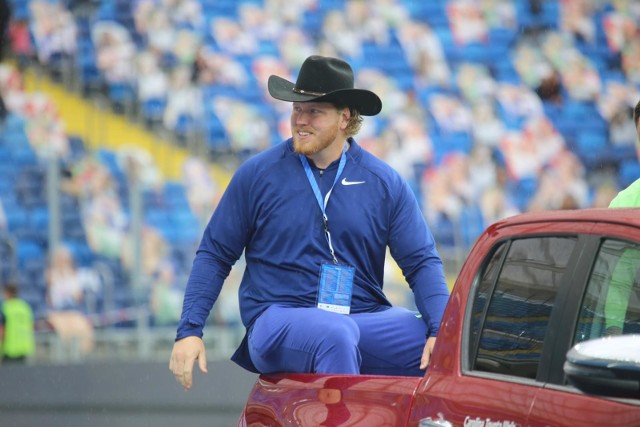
(188,329)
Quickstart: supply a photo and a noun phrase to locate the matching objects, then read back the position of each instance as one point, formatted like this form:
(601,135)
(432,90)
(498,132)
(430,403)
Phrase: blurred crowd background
(123,120)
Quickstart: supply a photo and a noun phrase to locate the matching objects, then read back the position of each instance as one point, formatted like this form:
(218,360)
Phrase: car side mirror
(608,366)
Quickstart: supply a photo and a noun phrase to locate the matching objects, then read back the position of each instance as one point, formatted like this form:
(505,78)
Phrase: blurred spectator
(581,79)
(138,163)
(229,37)
(104,218)
(544,137)
(483,171)
(166,296)
(67,283)
(288,12)
(255,20)
(576,18)
(621,130)
(214,68)
(12,90)
(527,152)
(66,287)
(604,192)
(447,190)
(631,61)
(161,33)
(247,129)
(184,49)
(518,101)
(441,206)
(44,127)
(294,46)
(500,14)
(495,205)
(550,88)
(531,64)
(619,26)
(155,252)
(344,38)
(520,156)
(450,113)
(488,129)
(17,339)
(467,22)
(475,83)
(53,29)
(74,329)
(152,83)
(425,54)
(262,67)
(372,20)
(20,42)
(377,80)
(202,190)
(561,185)
(115,51)
(408,145)
(183,100)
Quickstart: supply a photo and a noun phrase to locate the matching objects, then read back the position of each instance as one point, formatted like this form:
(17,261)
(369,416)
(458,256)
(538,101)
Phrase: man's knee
(343,330)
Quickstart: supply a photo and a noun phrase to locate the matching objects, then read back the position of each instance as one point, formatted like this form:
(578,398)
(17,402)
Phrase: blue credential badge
(336,287)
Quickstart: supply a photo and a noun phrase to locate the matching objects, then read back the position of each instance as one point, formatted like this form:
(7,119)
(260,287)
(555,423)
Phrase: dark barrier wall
(120,394)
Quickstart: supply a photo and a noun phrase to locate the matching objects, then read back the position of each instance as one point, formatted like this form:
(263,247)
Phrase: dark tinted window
(485,286)
(519,304)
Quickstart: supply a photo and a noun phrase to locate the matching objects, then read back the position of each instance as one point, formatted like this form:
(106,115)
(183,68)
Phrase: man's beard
(320,142)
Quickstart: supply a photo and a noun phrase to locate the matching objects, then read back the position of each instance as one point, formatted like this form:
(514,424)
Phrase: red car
(515,346)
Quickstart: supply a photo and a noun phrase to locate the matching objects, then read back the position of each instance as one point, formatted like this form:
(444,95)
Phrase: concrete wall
(120,394)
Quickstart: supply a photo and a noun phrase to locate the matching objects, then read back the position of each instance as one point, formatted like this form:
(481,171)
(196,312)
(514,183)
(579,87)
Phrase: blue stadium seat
(629,172)
(122,94)
(471,224)
(82,253)
(152,110)
(8,258)
(215,135)
(30,186)
(522,190)
(29,251)
(591,148)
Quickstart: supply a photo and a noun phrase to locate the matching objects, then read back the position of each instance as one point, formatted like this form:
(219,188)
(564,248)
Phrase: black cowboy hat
(324,79)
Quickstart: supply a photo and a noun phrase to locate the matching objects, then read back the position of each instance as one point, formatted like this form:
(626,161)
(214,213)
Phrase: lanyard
(318,194)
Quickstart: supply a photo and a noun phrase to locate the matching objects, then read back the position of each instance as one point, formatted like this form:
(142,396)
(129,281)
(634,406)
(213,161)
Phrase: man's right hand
(184,354)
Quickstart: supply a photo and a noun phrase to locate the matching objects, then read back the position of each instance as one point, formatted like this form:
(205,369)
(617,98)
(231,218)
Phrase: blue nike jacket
(269,210)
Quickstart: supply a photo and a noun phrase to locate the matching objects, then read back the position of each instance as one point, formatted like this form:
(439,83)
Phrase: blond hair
(355,121)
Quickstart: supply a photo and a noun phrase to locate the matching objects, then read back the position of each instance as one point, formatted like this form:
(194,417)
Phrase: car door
(507,320)
(603,300)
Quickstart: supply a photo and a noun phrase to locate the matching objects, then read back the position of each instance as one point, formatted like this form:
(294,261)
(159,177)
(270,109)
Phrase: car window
(611,305)
(513,303)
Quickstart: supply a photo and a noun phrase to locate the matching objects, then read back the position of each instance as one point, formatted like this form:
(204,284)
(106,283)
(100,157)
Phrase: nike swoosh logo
(345,182)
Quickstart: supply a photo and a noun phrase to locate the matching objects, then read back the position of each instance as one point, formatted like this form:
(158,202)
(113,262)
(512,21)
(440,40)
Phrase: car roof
(625,216)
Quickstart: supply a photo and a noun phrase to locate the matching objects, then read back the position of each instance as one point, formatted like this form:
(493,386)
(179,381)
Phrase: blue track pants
(311,340)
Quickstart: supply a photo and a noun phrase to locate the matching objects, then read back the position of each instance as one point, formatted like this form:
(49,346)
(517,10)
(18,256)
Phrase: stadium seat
(471,224)
(629,172)
(591,148)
